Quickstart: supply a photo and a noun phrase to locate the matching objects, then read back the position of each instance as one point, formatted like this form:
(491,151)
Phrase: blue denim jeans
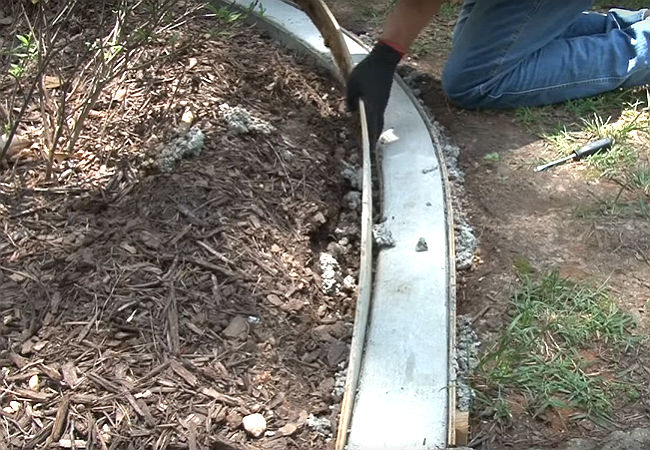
(510,53)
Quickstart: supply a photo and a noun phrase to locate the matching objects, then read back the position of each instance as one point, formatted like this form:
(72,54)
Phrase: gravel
(187,145)
(467,345)
(321,425)
(466,244)
(339,384)
(349,283)
(354,176)
(382,236)
(353,200)
(635,439)
(452,152)
(240,121)
(330,274)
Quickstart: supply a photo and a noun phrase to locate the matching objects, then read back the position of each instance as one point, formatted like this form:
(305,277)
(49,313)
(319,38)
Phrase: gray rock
(635,439)
(339,384)
(382,236)
(349,283)
(237,328)
(353,200)
(452,152)
(353,176)
(240,121)
(466,244)
(321,425)
(330,274)
(187,145)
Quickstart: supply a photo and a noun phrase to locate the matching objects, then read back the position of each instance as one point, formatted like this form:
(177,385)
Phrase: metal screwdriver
(584,151)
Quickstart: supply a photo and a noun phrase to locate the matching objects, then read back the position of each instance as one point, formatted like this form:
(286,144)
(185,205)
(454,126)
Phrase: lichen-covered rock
(240,121)
(187,145)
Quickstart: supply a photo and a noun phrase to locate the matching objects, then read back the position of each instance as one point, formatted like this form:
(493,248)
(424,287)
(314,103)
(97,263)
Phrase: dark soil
(155,310)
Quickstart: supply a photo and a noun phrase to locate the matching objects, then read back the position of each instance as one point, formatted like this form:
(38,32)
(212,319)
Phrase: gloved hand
(371,81)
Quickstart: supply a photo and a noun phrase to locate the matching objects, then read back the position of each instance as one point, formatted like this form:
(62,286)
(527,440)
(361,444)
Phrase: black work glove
(371,81)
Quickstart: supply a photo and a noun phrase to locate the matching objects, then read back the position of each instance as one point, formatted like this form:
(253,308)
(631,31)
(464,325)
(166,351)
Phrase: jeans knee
(460,92)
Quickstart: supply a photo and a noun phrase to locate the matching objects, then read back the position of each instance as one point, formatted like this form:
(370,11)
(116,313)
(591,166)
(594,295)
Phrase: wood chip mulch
(143,309)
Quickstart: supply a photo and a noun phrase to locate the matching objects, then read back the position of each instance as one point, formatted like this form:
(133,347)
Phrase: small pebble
(421,246)
(254,424)
(34,383)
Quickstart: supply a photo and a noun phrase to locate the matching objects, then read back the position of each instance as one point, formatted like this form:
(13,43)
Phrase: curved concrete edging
(405,397)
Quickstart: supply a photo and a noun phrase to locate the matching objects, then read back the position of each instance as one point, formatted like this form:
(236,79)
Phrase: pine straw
(117,284)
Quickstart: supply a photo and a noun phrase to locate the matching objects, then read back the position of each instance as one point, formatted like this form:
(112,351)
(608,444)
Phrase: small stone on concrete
(430,169)
(421,246)
(254,424)
(388,137)
(382,236)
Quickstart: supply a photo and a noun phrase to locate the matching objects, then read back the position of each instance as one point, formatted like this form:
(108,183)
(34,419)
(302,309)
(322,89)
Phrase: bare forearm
(406,21)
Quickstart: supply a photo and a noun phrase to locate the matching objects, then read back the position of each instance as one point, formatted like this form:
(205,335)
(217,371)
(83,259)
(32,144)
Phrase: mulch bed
(143,309)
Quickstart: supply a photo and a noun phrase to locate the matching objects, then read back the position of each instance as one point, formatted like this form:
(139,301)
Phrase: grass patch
(621,115)
(492,157)
(615,208)
(422,45)
(545,355)
(449,10)
(625,4)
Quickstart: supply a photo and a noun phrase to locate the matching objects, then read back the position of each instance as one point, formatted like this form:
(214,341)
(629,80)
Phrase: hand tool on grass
(587,150)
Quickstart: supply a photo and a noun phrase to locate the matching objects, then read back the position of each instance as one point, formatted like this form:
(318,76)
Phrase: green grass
(538,355)
(621,115)
(226,14)
(449,11)
(615,208)
(492,157)
(422,45)
(625,4)
(25,52)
